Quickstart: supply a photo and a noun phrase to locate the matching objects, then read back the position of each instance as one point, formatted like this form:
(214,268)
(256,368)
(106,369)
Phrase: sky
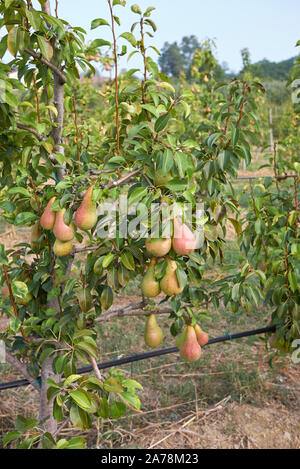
(269,28)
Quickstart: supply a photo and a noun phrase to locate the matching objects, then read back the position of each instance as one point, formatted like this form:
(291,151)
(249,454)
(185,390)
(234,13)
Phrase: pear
(150,286)
(36,234)
(153,333)
(85,300)
(62,231)
(190,350)
(181,337)
(86,215)
(48,218)
(62,249)
(169,283)
(24,301)
(158,247)
(202,337)
(161,179)
(184,241)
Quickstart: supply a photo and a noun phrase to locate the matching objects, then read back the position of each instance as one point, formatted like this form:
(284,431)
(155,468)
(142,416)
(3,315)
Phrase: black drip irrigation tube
(146,355)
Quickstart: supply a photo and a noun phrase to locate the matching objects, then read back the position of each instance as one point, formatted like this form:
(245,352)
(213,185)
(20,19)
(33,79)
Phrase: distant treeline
(176,58)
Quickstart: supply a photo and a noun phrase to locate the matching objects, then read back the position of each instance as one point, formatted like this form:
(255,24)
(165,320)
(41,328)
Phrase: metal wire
(146,355)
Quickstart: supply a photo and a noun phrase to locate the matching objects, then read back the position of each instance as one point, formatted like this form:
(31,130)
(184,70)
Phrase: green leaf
(99,22)
(81,398)
(176,185)
(107,260)
(99,43)
(19,190)
(132,399)
(117,409)
(235,294)
(77,442)
(128,260)
(19,289)
(13,40)
(136,9)
(10,437)
(167,161)
(137,195)
(129,37)
(46,48)
(112,385)
(293,281)
(107,297)
(161,122)
(236,225)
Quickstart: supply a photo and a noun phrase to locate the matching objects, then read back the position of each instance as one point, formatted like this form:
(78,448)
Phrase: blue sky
(269,28)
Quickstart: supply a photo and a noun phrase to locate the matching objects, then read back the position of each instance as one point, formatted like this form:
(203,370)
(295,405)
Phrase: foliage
(60,136)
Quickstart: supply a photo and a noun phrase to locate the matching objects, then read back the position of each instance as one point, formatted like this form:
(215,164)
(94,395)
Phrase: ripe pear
(158,247)
(150,286)
(202,337)
(160,179)
(190,350)
(62,249)
(169,283)
(153,333)
(86,215)
(36,234)
(184,241)
(48,218)
(62,231)
(85,300)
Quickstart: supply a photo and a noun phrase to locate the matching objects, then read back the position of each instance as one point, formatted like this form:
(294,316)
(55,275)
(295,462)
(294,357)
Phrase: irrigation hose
(146,355)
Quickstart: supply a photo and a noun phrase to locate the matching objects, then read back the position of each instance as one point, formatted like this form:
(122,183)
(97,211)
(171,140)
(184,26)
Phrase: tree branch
(31,130)
(21,368)
(133,309)
(46,62)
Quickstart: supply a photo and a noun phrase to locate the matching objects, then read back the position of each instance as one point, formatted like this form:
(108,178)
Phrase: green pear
(36,234)
(190,350)
(153,333)
(86,215)
(150,286)
(85,300)
(169,283)
(61,249)
(158,247)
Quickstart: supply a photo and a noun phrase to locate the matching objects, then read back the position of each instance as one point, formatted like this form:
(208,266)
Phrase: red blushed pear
(202,337)
(86,215)
(48,218)
(62,231)
(190,350)
(184,241)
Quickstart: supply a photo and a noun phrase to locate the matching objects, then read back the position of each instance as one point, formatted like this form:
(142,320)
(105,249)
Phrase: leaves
(46,48)
(161,122)
(99,22)
(129,37)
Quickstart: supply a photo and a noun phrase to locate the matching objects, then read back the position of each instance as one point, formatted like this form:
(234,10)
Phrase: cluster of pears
(183,243)
(85,219)
(190,342)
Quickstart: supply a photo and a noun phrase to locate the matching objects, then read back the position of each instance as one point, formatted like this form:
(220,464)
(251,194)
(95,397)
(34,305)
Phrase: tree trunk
(46,417)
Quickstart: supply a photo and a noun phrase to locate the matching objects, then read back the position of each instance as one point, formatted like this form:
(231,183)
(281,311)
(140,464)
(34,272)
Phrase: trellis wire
(146,355)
